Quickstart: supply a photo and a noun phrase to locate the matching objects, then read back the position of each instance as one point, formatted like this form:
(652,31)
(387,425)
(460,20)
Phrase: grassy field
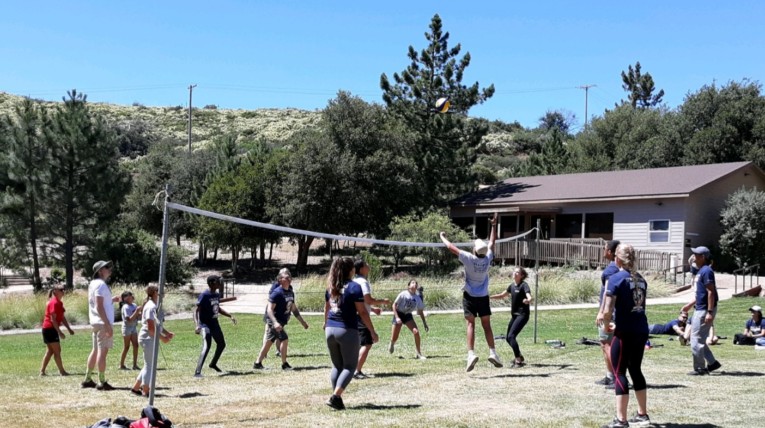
(555,390)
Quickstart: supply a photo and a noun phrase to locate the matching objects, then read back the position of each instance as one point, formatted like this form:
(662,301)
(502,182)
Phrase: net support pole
(536,278)
(162,264)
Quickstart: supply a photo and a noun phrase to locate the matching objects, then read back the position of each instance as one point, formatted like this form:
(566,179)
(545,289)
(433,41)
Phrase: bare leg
(56,348)
(125,347)
(621,406)
(46,359)
(363,352)
(470,332)
(394,332)
(283,349)
(486,324)
(642,399)
(413,328)
(264,351)
(134,342)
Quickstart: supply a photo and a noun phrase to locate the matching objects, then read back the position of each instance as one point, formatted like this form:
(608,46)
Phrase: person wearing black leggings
(625,298)
(520,298)
(206,321)
(343,309)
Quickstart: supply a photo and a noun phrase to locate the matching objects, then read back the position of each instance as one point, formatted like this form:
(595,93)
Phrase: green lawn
(555,390)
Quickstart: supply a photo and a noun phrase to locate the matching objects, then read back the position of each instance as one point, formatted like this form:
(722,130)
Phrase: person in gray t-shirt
(475,298)
(407,302)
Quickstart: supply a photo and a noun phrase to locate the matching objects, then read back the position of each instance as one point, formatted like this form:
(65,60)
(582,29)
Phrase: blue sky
(254,54)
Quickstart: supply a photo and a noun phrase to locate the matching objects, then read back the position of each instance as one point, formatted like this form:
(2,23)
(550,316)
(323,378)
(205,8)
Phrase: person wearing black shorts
(407,302)
(365,337)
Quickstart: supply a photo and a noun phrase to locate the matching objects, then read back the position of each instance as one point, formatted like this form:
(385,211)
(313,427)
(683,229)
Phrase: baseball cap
(213,279)
(702,251)
(756,308)
(97,266)
(480,247)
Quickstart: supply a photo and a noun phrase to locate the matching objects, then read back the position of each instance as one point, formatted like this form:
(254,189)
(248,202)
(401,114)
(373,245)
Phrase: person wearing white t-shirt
(365,336)
(101,316)
(475,297)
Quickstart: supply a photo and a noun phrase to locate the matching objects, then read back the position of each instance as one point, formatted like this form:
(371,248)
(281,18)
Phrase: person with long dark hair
(344,306)
(520,298)
(407,302)
(51,329)
(625,300)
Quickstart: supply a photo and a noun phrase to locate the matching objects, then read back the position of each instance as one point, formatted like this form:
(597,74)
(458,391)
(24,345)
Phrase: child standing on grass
(130,314)
(151,325)
(51,329)
(406,302)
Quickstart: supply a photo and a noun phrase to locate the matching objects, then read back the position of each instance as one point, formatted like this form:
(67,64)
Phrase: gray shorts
(272,335)
(604,336)
(129,330)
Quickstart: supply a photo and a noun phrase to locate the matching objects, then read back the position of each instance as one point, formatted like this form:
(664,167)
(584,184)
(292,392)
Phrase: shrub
(375,265)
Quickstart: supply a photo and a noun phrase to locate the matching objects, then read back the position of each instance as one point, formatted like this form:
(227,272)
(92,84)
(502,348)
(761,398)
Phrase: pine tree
(640,88)
(444,144)
(25,162)
(86,185)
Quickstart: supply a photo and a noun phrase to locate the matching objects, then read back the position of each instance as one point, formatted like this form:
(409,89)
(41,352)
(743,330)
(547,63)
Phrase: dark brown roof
(629,184)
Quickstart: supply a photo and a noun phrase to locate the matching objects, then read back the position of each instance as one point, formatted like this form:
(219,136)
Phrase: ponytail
(339,273)
(626,254)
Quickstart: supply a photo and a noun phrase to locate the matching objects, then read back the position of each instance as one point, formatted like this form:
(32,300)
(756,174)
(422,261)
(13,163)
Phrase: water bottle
(553,342)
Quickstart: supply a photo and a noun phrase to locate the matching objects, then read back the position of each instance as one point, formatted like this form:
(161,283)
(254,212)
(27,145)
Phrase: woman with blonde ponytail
(343,308)
(625,298)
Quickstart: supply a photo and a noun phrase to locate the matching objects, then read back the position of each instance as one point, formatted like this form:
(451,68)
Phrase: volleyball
(442,105)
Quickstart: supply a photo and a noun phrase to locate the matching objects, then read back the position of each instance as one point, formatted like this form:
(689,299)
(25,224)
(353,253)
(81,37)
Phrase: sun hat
(480,247)
(100,265)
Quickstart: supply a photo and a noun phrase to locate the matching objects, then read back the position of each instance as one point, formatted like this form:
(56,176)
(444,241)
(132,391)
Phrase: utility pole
(191,88)
(586,93)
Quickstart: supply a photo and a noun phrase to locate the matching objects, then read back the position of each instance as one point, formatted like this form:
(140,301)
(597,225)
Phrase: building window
(599,225)
(658,231)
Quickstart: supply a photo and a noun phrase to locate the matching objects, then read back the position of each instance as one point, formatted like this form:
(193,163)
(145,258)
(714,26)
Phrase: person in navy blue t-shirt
(625,300)
(705,310)
(343,308)
(675,327)
(754,331)
(206,320)
(604,336)
(281,304)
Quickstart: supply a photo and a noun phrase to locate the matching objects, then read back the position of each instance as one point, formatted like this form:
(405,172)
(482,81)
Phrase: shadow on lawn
(370,406)
(307,355)
(667,386)
(236,373)
(559,366)
(191,395)
(671,425)
(740,374)
(393,374)
(514,375)
(304,368)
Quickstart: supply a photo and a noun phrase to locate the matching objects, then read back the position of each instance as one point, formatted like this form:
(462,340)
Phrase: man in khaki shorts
(101,314)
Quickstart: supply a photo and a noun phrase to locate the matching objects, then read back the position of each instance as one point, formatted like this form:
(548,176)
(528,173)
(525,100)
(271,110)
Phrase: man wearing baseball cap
(754,331)
(475,297)
(101,316)
(705,305)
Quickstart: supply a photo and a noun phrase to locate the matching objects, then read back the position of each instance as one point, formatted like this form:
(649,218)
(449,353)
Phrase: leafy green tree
(443,144)
(640,88)
(723,124)
(414,228)
(25,165)
(134,137)
(743,223)
(86,185)
(556,120)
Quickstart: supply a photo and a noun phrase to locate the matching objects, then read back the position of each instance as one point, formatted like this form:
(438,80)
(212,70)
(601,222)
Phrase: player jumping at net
(475,298)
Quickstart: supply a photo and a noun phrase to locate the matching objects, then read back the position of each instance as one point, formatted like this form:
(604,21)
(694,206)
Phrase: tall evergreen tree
(25,165)
(86,184)
(640,88)
(444,144)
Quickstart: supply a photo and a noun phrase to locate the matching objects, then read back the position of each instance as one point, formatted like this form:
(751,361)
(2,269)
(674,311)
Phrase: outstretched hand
(494,220)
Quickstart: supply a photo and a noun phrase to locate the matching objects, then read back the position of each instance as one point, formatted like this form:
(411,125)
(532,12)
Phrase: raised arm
(449,246)
(493,236)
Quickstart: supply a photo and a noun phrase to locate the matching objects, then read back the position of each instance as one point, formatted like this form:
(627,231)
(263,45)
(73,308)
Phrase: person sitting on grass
(130,315)
(675,327)
(406,302)
(754,331)
(51,329)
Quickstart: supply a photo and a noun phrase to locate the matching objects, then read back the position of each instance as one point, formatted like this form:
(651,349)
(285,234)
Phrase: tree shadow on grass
(666,386)
(370,406)
(393,374)
(304,368)
(740,374)
(191,395)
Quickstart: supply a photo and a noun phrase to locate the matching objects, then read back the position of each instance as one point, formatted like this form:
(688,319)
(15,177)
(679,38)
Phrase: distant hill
(172,122)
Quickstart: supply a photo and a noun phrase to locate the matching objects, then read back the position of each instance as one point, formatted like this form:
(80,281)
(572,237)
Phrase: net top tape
(291,230)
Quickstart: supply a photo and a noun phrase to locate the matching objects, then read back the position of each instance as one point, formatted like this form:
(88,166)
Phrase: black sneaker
(714,366)
(88,384)
(286,366)
(640,420)
(216,368)
(257,366)
(136,392)
(698,372)
(360,375)
(616,423)
(104,386)
(335,402)
(605,381)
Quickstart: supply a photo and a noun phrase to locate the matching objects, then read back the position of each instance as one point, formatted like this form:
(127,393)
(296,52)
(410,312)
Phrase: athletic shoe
(278,353)
(494,359)
(391,347)
(360,375)
(136,392)
(88,384)
(104,386)
(335,402)
(714,366)
(136,368)
(286,366)
(640,420)
(420,357)
(198,375)
(698,372)
(605,381)
(122,368)
(471,361)
(216,368)
(616,423)
(258,366)
(517,364)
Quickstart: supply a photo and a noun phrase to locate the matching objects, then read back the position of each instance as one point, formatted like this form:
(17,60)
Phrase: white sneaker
(421,357)
(494,359)
(198,375)
(471,361)
(391,347)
